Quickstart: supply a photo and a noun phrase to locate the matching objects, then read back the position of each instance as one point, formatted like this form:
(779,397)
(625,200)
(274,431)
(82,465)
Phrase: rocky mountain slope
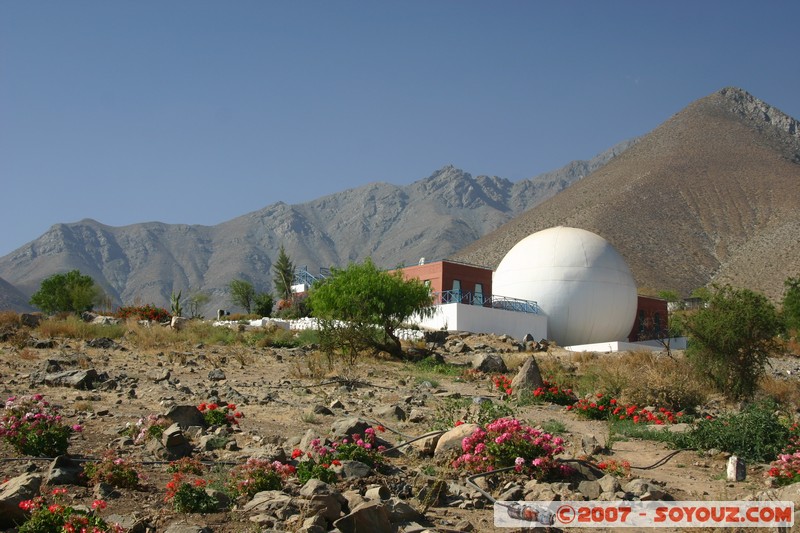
(394,225)
(11,298)
(711,195)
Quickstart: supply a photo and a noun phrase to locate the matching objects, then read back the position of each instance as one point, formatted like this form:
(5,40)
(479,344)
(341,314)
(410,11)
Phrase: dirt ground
(279,390)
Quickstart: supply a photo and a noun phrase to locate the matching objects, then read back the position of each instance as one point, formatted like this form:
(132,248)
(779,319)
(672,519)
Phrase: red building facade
(454,281)
(652,319)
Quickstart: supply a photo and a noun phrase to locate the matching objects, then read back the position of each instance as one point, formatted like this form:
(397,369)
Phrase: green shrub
(732,338)
(756,433)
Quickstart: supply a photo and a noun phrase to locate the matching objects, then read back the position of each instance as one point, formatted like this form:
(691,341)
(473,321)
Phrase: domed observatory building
(580,282)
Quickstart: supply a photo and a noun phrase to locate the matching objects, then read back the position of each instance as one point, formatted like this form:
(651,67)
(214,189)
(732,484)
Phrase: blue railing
(496,302)
(303,276)
(513,304)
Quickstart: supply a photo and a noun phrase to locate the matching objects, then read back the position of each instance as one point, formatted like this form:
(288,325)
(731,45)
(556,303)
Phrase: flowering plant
(318,461)
(257,475)
(148,427)
(115,471)
(598,408)
(615,468)
(216,415)
(552,393)
(506,442)
(603,407)
(185,465)
(56,516)
(144,312)
(503,384)
(786,468)
(190,496)
(34,427)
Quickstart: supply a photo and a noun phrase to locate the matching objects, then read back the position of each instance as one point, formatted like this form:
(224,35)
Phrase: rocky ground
(290,396)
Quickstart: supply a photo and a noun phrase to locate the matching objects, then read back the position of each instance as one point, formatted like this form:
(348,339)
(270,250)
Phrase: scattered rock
(450,442)
(14,491)
(186,416)
(528,377)
(489,363)
(64,471)
(216,375)
(77,379)
(370,516)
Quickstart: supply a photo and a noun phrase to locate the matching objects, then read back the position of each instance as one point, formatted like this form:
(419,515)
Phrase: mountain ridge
(431,217)
(709,196)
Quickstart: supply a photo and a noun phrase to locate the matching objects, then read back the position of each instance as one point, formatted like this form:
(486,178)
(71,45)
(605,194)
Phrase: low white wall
(477,319)
(675,343)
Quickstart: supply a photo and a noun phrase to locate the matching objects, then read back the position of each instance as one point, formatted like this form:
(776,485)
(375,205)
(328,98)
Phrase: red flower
(232,406)
(296,453)
(212,406)
(202,406)
(459,422)
(99,504)
(380,428)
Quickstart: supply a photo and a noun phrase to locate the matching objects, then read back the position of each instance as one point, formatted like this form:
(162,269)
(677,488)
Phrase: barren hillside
(711,195)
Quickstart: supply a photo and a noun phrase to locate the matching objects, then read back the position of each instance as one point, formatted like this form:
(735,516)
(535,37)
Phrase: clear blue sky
(197,112)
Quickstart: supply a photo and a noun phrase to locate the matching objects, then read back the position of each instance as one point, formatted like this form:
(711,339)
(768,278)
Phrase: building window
(641,321)
(457,290)
(478,294)
(657,322)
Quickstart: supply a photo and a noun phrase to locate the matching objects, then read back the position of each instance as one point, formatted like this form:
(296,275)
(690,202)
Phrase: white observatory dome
(578,279)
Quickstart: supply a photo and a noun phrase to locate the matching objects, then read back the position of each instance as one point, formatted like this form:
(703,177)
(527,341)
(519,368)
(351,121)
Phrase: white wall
(675,343)
(477,319)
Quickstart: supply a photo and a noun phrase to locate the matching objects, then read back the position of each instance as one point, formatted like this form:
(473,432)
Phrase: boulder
(186,416)
(392,411)
(370,516)
(528,376)
(347,427)
(216,374)
(14,491)
(31,320)
(77,379)
(322,499)
(489,363)
(178,323)
(450,442)
(64,471)
(271,501)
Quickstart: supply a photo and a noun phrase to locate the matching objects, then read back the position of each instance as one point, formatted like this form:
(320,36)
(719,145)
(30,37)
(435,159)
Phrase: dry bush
(663,381)
(27,354)
(8,320)
(312,365)
(607,373)
(150,337)
(557,371)
(642,378)
(786,393)
(793,343)
(72,327)
(514,360)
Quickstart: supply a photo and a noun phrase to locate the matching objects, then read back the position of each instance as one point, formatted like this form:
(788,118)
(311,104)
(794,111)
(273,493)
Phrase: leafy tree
(242,294)
(195,302)
(72,292)
(283,275)
(791,304)
(363,298)
(732,338)
(262,304)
